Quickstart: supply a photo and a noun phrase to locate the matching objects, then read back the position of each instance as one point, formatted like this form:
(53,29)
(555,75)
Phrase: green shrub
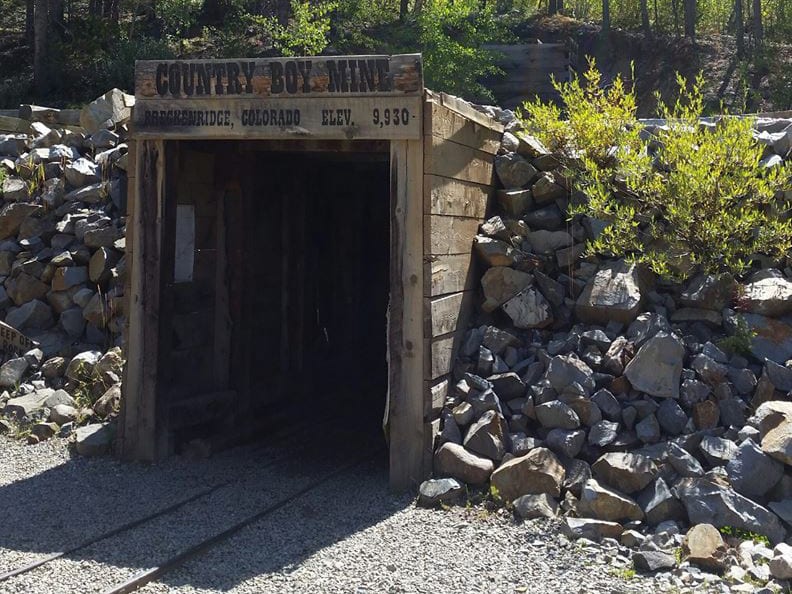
(450,34)
(694,198)
(306,33)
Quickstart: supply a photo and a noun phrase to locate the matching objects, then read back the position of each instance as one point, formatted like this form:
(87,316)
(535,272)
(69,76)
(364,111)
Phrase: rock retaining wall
(590,389)
(62,268)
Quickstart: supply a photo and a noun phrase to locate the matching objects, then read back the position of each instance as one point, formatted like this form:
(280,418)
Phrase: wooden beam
(449,159)
(446,196)
(449,235)
(140,438)
(405,320)
(448,313)
(449,273)
(447,124)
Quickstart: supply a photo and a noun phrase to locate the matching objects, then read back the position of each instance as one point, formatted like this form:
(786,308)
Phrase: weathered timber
(449,273)
(320,118)
(434,397)
(349,76)
(448,313)
(445,196)
(449,159)
(405,332)
(447,124)
(449,235)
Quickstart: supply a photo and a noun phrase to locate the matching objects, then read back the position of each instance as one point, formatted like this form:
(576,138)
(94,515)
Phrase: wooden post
(406,352)
(141,440)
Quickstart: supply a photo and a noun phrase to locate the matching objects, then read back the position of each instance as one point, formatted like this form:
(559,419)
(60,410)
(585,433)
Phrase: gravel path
(348,535)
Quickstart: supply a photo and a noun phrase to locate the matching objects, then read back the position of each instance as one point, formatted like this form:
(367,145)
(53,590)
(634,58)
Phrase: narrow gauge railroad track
(144,577)
(140,579)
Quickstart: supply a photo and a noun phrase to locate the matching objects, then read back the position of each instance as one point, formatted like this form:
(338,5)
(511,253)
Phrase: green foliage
(450,34)
(306,33)
(178,16)
(744,535)
(740,341)
(694,198)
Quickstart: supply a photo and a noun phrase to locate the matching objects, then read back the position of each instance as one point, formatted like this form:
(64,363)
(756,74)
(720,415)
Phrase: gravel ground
(347,535)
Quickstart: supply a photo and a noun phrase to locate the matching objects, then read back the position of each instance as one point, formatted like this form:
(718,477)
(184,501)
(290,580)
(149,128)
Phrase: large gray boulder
(94,440)
(752,472)
(603,503)
(487,436)
(709,292)
(539,471)
(529,507)
(13,214)
(613,294)
(529,309)
(564,370)
(454,460)
(771,338)
(707,502)
(657,366)
(591,529)
(12,371)
(659,504)
(514,171)
(627,472)
(109,110)
(437,491)
(556,415)
(500,284)
(770,296)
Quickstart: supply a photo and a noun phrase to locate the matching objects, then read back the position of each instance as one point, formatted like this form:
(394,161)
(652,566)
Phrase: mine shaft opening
(296,276)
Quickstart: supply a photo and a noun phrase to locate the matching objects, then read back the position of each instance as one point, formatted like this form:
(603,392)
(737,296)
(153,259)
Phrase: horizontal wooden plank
(12,124)
(434,397)
(351,76)
(447,124)
(442,353)
(451,273)
(304,118)
(446,196)
(449,159)
(449,313)
(449,235)
(464,108)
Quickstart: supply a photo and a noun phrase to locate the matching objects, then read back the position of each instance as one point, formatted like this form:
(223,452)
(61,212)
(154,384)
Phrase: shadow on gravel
(84,498)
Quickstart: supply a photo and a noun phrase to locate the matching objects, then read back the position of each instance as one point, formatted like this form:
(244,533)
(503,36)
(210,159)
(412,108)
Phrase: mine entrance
(284,316)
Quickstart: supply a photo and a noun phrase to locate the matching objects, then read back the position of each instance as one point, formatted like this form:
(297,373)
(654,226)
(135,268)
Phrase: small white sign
(185,243)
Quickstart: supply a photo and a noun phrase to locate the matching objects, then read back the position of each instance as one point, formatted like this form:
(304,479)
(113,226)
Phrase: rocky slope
(632,407)
(62,271)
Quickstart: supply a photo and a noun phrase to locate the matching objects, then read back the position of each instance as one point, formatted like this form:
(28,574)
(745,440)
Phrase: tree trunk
(657,17)
(647,28)
(758,28)
(553,7)
(41,78)
(675,9)
(403,7)
(690,19)
(29,12)
(606,20)
(739,28)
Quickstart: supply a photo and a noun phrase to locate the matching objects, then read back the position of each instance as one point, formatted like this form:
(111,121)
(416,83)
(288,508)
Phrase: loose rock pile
(633,407)
(62,271)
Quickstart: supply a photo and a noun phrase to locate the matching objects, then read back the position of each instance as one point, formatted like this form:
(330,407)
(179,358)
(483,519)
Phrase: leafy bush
(693,197)
(451,34)
(306,33)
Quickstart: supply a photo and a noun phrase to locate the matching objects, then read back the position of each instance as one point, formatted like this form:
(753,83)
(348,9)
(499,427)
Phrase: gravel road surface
(347,535)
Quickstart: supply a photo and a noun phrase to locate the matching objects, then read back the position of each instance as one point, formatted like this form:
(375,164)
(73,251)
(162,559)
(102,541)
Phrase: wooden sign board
(348,97)
(12,340)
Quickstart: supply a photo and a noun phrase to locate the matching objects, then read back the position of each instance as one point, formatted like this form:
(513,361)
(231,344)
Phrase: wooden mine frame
(441,167)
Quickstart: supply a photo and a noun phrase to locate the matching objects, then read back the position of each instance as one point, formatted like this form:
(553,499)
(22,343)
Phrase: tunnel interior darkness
(306,277)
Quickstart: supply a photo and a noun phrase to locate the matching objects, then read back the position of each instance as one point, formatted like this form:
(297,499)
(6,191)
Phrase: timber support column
(405,324)
(139,438)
